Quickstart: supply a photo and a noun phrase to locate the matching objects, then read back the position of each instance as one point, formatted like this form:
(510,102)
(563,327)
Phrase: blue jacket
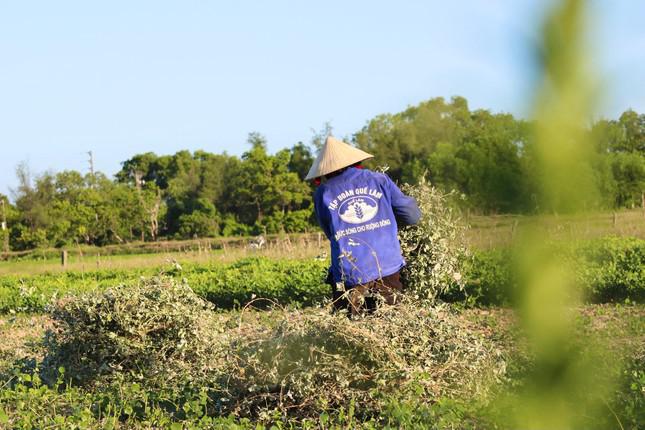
(360,211)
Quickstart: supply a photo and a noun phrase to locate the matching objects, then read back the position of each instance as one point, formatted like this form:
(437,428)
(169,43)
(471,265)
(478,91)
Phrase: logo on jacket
(358,210)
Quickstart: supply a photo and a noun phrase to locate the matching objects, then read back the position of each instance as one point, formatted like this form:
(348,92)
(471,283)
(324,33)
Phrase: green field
(466,368)
(157,254)
(487,232)
(28,402)
(483,232)
(215,334)
(140,302)
(607,270)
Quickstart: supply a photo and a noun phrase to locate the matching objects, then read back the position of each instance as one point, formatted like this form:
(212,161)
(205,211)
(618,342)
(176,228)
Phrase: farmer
(360,212)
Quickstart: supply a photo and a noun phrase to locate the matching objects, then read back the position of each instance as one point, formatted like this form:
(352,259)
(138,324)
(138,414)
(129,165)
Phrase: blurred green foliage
(562,384)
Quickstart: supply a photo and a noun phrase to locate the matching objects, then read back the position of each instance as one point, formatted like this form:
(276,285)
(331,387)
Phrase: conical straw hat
(335,155)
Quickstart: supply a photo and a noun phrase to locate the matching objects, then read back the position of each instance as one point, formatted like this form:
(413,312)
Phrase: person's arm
(405,207)
(322,214)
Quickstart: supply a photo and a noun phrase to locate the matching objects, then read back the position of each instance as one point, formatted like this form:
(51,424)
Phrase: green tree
(262,185)
(477,153)
(632,126)
(145,168)
(300,160)
(629,173)
(8,218)
(32,197)
(203,221)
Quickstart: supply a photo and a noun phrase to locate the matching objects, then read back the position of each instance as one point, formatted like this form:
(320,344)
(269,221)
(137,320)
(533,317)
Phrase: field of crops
(251,343)
(188,290)
(608,270)
(482,233)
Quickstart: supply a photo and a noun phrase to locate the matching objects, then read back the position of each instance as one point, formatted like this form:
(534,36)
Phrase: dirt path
(21,337)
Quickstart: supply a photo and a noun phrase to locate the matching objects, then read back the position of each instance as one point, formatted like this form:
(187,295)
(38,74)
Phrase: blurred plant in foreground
(564,385)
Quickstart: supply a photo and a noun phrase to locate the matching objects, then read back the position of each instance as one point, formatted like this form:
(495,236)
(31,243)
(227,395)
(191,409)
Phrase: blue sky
(125,77)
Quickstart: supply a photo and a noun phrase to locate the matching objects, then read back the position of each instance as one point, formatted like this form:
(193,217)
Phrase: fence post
(63,258)
(513,228)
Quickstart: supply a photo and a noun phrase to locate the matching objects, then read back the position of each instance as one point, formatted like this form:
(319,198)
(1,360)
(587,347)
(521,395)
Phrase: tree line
(487,157)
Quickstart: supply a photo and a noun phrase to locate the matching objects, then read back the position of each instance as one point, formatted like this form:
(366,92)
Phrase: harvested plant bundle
(157,326)
(434,248)
(313,360)
(295,363)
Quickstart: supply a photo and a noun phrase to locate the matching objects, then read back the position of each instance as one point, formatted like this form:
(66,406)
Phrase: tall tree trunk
(154,216)
(259,208)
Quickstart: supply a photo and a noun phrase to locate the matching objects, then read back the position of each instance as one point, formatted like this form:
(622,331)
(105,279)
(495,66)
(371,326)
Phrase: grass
(78,263)
(488,232)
